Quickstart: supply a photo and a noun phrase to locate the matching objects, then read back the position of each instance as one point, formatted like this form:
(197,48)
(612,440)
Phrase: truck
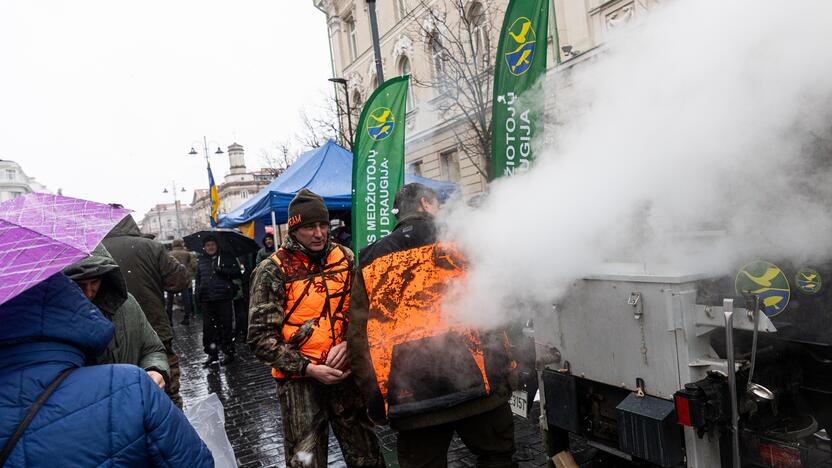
(670,369)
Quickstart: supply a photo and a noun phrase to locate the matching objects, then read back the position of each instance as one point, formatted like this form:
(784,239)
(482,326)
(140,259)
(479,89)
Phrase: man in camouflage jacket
(298,322)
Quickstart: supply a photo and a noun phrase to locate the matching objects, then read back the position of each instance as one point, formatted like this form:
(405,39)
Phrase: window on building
(244,194)
(404,69)
(437,54)
(356,104)
(449,165)
(15,194)
(352,39)
(168,223)
(401,9)
(11,174)
(374,83)
(479,35)
(415,168)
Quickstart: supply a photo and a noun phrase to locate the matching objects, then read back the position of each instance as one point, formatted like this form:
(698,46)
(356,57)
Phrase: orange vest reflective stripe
(315,313)
(411,340)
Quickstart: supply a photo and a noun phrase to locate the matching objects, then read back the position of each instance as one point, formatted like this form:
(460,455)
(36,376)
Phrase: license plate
(519,403)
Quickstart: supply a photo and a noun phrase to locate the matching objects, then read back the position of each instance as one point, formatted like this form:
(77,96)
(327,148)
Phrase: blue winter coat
(107,415)
(214,277)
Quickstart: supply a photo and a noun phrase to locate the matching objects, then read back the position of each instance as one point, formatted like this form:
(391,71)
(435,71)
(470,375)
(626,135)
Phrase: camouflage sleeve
(266,308)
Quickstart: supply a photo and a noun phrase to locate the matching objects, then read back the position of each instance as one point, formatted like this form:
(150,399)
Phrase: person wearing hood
(215,291)
(268,246)
(149,271)
(100,415)
(188,260)
(299,303)
(134,341)
(343,233)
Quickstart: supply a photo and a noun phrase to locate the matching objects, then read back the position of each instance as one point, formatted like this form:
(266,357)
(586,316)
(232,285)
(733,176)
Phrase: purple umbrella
(41,233)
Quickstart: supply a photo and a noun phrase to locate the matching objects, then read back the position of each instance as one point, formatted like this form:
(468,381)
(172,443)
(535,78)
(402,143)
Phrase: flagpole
(207,168)
(205,148)
(211,182)
(275,228)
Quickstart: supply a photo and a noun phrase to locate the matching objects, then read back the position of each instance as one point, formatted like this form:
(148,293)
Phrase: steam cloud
(696,139)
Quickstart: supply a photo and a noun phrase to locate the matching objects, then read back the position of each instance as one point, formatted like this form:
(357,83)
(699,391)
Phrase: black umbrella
(229,241)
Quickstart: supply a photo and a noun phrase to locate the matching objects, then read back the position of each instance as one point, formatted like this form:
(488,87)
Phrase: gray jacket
(149,271)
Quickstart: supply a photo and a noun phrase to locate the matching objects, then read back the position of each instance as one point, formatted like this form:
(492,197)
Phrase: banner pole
(371,5)
(275,227)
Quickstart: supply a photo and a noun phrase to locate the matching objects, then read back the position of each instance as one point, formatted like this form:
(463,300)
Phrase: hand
(157,378)
(337,357)
(325,374)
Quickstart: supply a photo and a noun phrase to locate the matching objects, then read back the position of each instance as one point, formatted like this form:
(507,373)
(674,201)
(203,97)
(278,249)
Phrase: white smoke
(708,116)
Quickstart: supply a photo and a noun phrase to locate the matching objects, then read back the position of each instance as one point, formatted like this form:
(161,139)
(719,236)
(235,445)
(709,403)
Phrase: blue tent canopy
(326,171)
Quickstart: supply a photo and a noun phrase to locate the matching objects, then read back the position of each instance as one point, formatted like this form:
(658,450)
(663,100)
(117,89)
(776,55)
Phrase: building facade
(439,142)
(582,26)
(164,222)
(237,187)
(14,182)
(432,41)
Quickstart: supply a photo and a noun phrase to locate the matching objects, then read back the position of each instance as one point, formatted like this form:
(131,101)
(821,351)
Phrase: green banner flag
(378,162)
(517,119)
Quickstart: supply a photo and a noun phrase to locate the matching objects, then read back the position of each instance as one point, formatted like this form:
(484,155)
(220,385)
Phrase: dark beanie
(306,208)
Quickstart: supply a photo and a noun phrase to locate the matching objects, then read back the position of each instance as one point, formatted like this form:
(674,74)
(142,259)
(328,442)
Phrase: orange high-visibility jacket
(317,300)
(422,359)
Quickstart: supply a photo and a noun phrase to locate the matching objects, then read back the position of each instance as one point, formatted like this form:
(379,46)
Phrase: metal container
(637,333)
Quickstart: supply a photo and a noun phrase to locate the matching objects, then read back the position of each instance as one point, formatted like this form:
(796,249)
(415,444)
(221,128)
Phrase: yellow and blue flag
(215,198)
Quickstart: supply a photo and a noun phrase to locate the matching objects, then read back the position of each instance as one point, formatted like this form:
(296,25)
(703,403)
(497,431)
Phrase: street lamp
(371,6)
(176,209)
(193,152)
(343,82)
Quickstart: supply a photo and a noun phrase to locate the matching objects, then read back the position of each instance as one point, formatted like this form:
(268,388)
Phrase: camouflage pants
(172,388)
(308,408)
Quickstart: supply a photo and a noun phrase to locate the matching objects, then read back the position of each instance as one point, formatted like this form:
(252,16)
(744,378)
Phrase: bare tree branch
(462,44)
(323,122)
(320,123)
(279,158)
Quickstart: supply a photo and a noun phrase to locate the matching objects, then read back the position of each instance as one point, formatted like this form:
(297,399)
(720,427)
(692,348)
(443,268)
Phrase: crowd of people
(86,356)
(356,345)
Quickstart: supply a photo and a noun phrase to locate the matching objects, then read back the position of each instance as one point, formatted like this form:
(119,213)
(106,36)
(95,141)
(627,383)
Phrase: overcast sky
(104,98)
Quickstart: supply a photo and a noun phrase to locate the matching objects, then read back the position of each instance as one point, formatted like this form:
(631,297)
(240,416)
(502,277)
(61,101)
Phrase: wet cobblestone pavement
(252,417)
